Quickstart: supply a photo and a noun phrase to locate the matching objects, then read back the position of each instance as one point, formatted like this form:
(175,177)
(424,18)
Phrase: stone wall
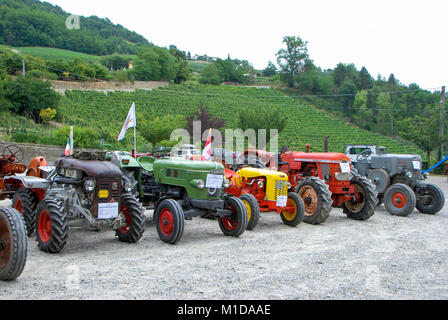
(51,153)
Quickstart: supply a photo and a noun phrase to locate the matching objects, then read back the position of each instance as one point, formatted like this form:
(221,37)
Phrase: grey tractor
(398,178)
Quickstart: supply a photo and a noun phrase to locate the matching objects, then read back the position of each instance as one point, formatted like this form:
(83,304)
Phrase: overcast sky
(407,38)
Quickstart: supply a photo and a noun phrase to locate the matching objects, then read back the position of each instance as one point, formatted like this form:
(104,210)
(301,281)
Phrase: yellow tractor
(266,191)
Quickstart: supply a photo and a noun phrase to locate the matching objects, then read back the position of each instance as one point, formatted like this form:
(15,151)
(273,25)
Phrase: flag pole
(135,136)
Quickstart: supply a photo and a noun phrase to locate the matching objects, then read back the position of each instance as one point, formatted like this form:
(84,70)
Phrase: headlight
(89,185)
(226,183)
(260,184)
(425,175)
(115,186)
(200,184)
(409,174)
(127,186)
(212,191)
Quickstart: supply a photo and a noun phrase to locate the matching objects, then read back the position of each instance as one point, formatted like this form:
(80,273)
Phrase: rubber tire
(370,201)
(59,226)
(411,200)
(325,202)
(137,216)
(29,202)
(438,199)
(178,218)
(239,215)
(300,213)
(18,242)
(254,210)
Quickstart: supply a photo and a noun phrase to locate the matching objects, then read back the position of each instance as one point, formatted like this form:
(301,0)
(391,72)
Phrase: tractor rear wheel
(294,214)
(236,224)
(431,200)
(52,226)
(135,219)
(253,210)
(25,202)
(170,220)
(13,244)
(365,202)
(316,197)
(400,200)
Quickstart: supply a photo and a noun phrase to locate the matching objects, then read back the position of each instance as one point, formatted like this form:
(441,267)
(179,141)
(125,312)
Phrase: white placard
(107,210)
(282,201)
(214,181)
(345,167)
(417,165)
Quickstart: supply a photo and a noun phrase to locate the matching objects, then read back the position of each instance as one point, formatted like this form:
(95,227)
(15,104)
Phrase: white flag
(131,122)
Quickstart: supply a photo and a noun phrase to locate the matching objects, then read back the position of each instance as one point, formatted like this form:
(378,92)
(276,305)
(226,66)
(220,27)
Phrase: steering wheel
(13,153)
(364,155)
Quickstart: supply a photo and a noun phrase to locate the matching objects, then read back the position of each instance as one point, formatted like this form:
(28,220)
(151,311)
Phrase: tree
(158,129)
(365,79)
(424,130)
(270,70)
(292,58)
(203,115)
(47,114)
(347,96)
(263,118)
(363,114)
(385,118)
(28,96)
(210,75)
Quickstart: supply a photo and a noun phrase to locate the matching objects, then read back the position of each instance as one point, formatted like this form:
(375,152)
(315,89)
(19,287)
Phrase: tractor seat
(146,163)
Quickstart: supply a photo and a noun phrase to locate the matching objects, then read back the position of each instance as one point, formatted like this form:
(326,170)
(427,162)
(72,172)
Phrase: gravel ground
(386,257)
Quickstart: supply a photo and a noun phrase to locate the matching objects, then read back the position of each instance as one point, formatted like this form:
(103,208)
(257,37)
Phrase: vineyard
(105,112)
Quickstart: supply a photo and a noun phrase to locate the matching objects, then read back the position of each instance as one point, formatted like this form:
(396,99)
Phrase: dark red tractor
(323,181)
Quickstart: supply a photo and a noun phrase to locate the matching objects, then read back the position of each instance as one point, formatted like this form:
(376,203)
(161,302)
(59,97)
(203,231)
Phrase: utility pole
(442,120)
(23,67)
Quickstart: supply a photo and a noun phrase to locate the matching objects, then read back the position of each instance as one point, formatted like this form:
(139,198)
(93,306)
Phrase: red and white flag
(67,148)
(207,153)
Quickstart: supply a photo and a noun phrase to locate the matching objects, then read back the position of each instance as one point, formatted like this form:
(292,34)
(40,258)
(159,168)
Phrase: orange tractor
(13,184)
(323,181)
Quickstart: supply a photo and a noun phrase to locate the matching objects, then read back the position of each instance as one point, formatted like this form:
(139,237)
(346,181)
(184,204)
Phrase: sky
(406,38)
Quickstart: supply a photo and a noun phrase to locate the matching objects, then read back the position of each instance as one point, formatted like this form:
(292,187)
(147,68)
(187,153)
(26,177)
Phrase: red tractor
(323,181)
(13,185)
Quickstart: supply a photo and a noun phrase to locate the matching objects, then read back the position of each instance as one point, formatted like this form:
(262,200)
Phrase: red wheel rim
(399,200)
(166,222)
(18,206)
(228,222)
(44,226)
(127,216)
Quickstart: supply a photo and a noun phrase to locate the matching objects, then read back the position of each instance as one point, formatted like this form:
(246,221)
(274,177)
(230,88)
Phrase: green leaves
(157,129)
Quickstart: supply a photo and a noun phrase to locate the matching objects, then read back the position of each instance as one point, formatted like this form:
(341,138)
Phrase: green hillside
(307,124)
(30,23)
(54,53)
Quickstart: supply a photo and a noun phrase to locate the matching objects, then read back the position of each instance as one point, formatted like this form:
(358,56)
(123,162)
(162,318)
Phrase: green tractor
(179,190)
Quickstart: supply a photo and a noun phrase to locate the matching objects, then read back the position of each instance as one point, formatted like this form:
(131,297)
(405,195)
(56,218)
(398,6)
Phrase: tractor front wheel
(235,224)
(13,244)
(365,201)
(135,220)
(294,212)
(253,210)
(316,197)
(25,202)
(170,220)
(431,200)
(400,200)
(52,226)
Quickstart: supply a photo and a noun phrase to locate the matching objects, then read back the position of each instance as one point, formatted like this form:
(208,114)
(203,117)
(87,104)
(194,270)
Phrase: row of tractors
(111,190)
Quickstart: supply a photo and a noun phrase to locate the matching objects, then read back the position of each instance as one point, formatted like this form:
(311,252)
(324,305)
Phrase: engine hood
(93,168)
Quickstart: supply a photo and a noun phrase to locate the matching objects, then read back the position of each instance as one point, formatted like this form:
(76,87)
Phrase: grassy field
(197,66)
(53,53)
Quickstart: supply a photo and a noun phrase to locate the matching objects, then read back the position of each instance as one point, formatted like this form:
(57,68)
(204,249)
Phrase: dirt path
(386,257)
